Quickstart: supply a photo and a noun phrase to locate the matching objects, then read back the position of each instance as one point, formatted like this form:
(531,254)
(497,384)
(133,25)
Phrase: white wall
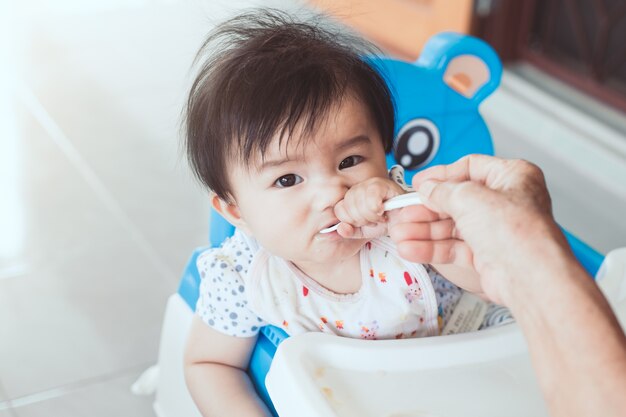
(584,160)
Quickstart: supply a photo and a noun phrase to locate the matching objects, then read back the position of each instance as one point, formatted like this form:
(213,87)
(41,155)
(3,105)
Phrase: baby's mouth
(330,229)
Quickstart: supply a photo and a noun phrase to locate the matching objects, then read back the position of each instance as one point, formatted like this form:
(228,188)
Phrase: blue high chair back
(437,122)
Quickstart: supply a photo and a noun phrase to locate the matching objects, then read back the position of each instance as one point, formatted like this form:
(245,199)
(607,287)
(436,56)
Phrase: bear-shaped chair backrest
(437,99)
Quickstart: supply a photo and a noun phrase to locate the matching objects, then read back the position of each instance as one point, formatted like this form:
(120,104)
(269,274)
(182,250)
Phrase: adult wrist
(545,261)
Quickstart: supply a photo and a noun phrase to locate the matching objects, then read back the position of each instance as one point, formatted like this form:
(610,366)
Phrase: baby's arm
(215,371)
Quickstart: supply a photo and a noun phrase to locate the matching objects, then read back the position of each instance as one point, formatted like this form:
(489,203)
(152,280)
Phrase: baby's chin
(322,251)
(337,251)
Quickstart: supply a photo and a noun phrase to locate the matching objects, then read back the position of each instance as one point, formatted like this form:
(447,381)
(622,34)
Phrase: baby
(288,128)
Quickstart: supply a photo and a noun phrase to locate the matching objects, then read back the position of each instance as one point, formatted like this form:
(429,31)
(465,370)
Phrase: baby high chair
(437,120)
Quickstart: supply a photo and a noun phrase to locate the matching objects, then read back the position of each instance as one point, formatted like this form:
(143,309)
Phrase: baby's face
(289,198)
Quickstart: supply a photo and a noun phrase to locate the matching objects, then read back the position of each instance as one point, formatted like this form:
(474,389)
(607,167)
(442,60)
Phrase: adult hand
(484,212)
(495,215)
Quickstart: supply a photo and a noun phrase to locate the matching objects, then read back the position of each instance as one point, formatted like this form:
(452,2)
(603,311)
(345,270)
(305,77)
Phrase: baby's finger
(368,203)
(368,231)
(344,212)
(356,205)
(355,199)
(345,230)
(370,209)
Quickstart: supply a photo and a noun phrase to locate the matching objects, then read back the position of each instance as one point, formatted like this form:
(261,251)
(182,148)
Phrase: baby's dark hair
(266,74)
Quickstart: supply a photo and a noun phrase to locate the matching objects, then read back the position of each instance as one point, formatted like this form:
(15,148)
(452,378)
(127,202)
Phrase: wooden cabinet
(400,27)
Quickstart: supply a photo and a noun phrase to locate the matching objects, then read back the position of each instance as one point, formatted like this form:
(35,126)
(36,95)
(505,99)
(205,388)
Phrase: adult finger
(455,199)
(450,251)
(476,167)
(436,230)
(418,213)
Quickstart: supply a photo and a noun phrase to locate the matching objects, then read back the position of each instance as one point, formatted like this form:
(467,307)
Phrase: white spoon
(403,200)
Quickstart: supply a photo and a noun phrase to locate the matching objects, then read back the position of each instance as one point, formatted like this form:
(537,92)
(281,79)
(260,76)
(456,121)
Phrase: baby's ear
(229,211)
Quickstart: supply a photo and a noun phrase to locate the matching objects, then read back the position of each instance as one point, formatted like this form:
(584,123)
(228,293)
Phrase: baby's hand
(361,211)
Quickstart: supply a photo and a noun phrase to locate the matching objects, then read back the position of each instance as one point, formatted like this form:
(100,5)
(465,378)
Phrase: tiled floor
(99,398)
(99,211)
(102,212)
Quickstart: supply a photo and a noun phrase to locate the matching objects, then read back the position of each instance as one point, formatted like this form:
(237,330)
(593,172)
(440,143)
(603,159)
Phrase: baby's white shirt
(244,287)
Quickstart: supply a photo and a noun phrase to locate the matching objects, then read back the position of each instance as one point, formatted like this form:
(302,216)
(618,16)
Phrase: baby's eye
(288,180)
(350,161)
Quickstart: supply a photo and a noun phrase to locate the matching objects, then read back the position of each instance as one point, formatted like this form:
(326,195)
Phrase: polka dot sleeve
(222,303)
